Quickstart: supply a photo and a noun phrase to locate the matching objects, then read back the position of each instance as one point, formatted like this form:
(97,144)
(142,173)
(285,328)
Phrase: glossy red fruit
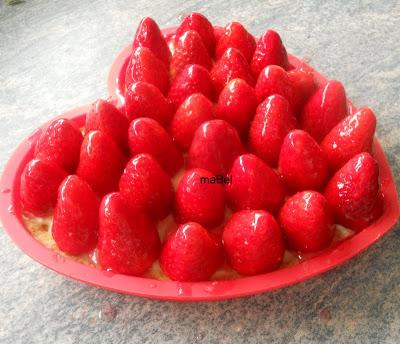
(269,51)
(128,240)
(253,242)
(302,163)
(145,100)
(237,104)
(40,180)
(231,65)
(147,136)
(272,122)
(324,109)
(353,135)
(236,36)
(354,192)
(60,143)
(304,86)
(215,146)
(307,221)
(190,254)
(75,221)
(195,110)
(146,186)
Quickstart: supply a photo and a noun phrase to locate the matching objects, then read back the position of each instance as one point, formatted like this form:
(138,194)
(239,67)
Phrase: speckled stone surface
(55,55)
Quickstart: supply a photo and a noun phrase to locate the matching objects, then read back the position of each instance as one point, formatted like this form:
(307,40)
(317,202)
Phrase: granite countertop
(55,55)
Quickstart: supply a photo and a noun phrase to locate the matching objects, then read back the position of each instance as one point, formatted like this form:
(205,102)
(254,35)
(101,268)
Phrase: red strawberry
(254,185)
(128,240)
(189,50)
(236,36)
(146,186)
(75,222)
(40,180)
(147,136)
(218,32)
(353,135)
(148,35)
(302,162)
(145,100)
(237,104)
(198,200)
(253,242)
(324,109)
(195,110)
(60,143)
(101,162)
(215,146)
(231,65)
(354,193)
(307,221)
(193,79)
(303,86)
(190,254)
(269,51)
(272,121)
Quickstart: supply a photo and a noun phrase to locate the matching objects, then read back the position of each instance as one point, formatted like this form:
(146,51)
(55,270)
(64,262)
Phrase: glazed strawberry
(147,136)
(324,109)
(302,163)
(354,192)
(269,51)
(101,162)
(75,222)
(304,86)
(60,143)
(128,240)
(353,135)
(193,79)
(146,186)
(145,100)
(189,50)
(307,221)
(195,110)
(40,180)
(148,35)
(215,146)
(272,122)
(231,65)
(236,36)
(190,254)
(198,200)
(237,104)
(253,242)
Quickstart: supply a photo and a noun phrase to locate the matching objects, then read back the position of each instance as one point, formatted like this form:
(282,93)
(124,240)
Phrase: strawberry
(147,136)
(237,104)
(148,35)
(218,32)
(145,100)
(195,110)
(253,242)
(40,180)
(101,162)
(236,36)
(272,121)
(190,254)
(354,192)
(307,221)
(302,162)
(324,109)
(353,135)
(128,240)
(304,86)
(75,222)
(60,143)
(146,186)
(215,146)
(254,185)
(269,51)
(231,65)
